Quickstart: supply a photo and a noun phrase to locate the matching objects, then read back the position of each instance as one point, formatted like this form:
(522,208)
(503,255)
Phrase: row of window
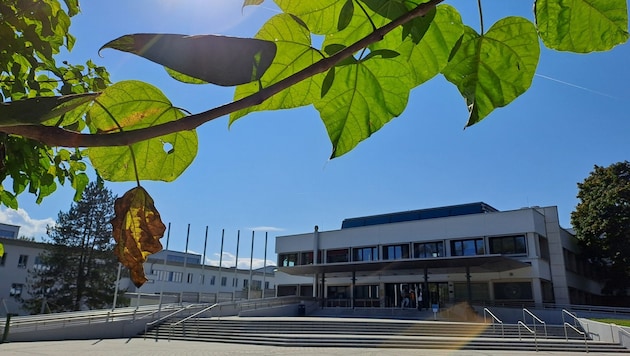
(504,245)
(22,261)
(178,277)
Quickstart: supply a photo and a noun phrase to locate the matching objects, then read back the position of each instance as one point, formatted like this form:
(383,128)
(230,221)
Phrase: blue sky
(270,171)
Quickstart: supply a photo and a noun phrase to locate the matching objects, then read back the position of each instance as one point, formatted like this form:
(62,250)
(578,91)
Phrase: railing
(494,318)
(165,317)
(566,336)
(46,321)
(534,319)
(182,322)
(533,332)
(573,317)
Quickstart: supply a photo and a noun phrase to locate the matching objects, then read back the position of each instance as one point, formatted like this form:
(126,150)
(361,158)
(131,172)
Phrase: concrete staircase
(378,333)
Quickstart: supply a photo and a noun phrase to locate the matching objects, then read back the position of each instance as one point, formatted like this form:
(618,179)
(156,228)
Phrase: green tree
(602,223)
(78,268)
(373,54)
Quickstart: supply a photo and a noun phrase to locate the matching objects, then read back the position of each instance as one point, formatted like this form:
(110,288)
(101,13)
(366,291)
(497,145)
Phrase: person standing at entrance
(420,300)
(412,298)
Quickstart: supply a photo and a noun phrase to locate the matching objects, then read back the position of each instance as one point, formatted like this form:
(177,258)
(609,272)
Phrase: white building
(191,281)
(470,252)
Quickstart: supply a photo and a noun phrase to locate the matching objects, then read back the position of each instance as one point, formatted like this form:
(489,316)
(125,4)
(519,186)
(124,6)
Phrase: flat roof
(421,214)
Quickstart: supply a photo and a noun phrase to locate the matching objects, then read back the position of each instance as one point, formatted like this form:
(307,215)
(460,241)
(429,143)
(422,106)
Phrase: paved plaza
(138,347)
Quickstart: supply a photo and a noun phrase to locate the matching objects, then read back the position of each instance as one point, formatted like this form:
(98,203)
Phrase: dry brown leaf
(137,229)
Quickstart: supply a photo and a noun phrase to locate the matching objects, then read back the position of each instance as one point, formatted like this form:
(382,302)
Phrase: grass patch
(620,322)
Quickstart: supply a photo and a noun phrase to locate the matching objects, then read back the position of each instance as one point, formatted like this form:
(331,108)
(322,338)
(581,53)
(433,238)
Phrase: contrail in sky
(578,87)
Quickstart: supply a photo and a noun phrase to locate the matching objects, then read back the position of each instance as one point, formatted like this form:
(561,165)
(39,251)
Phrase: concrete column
(352,290)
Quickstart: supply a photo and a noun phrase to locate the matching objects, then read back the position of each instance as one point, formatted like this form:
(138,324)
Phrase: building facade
(439,256)
(173,274)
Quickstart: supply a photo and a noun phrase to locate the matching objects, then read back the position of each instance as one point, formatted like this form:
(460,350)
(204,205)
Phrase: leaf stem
(367,15)
(480,16)
(56,136)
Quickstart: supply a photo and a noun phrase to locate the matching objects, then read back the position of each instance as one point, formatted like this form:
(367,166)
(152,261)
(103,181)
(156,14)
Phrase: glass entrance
(437,294)
(403,295)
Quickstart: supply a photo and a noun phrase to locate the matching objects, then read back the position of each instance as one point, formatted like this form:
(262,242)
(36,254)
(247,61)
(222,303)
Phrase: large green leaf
(294,54)
(582,26)
(220,60)
(321,16)
(131,105)
(362,98)
(40,109)
(493,69)
(429,44)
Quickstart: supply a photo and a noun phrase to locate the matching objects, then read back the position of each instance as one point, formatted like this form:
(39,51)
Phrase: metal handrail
(574,317)
(530,331)
(160,320)
(535,319)
(494,318)
(566,336)
(172,325)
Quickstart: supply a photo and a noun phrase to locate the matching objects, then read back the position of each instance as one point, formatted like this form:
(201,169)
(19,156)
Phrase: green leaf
(582,26)
(40,109)
(347,11)
(8,199)
(321,16)
(294,54)
(183,77)
(252,2)
(133,105)
(493,69)
(220,60)
(363,98)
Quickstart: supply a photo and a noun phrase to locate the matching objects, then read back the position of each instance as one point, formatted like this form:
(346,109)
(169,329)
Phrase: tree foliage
(359,78)
(602,223)
(78,268)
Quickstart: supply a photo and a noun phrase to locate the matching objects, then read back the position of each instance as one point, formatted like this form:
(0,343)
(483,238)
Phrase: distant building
(182,276)
(470,252)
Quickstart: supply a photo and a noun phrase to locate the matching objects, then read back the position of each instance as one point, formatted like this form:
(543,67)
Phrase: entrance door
(402,295)
(438,294)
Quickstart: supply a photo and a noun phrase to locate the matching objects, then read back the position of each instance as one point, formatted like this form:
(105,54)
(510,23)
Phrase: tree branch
(56,136)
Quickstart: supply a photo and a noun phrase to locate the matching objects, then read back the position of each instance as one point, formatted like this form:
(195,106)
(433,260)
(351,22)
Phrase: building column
(352,290)
(425,289)
(468,286)
(323,304)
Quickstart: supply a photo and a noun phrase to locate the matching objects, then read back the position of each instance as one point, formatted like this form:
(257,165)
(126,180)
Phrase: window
(3,259)
(428,249)
(39,264)
(544,247)
(256,284)
(469,247)
(22,261)
(365,254)
(337,256)
(234,282)
(513,290)
(287,259)
(266,285)
(395,252)
(175,277)
(202,279)
(16,289)
(190,278)
(159,275)
(366,292)
(508,245)
(223,281)
(212,280)
(245,283)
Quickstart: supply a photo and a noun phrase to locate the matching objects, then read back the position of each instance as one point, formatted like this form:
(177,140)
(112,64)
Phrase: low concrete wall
(279,311)
(599,331)
(110,330)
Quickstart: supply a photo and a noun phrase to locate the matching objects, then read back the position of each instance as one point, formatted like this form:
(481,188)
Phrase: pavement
(139,346)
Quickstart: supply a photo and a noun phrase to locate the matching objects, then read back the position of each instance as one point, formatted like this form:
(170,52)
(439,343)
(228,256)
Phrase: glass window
(16,289)
(365,254)
(307,258)
(234,282)
(508,245)
(223,281)
(22,261)
(366,292)
(245,283)
(175,276)
(513,290)
(544,247)
(470,247)
(395,252)
(212,280)
(190,278)
(287,259)
(337,256)
(428,249)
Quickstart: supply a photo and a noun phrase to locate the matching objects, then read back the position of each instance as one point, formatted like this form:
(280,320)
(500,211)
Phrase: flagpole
(163,274)
(251,261)
(234,280)
(220,265)
(203,264)
(264,267)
